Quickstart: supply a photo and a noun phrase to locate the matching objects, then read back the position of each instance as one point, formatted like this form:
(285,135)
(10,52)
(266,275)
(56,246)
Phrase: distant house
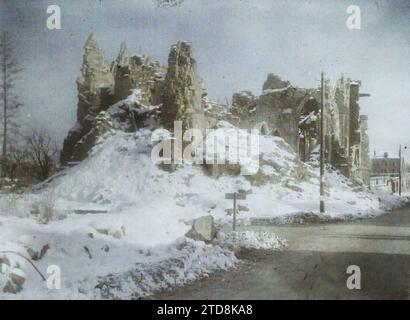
(383,165)
(385,173)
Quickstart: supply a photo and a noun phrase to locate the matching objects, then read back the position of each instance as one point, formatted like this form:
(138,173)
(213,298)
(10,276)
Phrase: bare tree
(18,165)
(42,151)
(9,70)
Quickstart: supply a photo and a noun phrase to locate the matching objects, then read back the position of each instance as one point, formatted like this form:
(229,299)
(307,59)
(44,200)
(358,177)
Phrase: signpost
(235,196)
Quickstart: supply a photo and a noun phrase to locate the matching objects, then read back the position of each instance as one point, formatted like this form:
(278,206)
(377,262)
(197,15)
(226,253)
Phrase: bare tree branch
(41,150)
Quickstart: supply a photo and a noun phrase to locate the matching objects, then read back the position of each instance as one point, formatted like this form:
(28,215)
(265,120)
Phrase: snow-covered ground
(252,240)
(115,224)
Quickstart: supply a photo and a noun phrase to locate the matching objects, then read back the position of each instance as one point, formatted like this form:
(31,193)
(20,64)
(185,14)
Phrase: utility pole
(322,144)
(399,169)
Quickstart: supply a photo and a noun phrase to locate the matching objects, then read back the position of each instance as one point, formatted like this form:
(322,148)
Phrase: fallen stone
(37,255)
(229,211)
(116,232)
(4,260)
(203,229)
(102,231)
(10,287)
(18,277)
(15,283)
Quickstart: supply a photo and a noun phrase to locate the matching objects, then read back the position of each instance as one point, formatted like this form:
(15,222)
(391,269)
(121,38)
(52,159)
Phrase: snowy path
(315,262)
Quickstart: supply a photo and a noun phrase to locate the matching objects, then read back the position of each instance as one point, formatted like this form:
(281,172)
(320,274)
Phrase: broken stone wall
(277,108)
(354,114)
(293,114)
(183,92)
(94,85)
(364,150)
(137,71)
(100,85)
(95,74)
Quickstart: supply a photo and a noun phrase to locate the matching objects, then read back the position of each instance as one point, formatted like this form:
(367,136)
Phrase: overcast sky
(236,43)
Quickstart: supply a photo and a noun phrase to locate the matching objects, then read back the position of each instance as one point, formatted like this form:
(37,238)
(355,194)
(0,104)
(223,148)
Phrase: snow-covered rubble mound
(120,176)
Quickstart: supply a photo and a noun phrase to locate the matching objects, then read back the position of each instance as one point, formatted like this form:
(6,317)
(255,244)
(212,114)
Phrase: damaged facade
(102,92)
(294,114)
(176,92)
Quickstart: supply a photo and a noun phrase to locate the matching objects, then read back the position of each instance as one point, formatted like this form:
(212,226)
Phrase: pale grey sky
(236,44)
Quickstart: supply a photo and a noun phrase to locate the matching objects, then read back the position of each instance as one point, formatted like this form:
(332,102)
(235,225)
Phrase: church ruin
(176,92)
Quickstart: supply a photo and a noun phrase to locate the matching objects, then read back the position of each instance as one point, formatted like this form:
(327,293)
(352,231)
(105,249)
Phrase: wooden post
(322,145)
(235,196)
(400,170)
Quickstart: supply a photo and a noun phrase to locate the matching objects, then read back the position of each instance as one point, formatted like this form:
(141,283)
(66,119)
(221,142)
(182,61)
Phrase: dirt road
(315,263)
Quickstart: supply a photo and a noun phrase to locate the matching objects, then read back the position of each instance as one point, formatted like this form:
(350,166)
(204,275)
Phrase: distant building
(385,173)
(383,165)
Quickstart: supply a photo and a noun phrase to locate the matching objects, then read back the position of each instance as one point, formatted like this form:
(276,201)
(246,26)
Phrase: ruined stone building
(101,85)
(176,92)
(294,114)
